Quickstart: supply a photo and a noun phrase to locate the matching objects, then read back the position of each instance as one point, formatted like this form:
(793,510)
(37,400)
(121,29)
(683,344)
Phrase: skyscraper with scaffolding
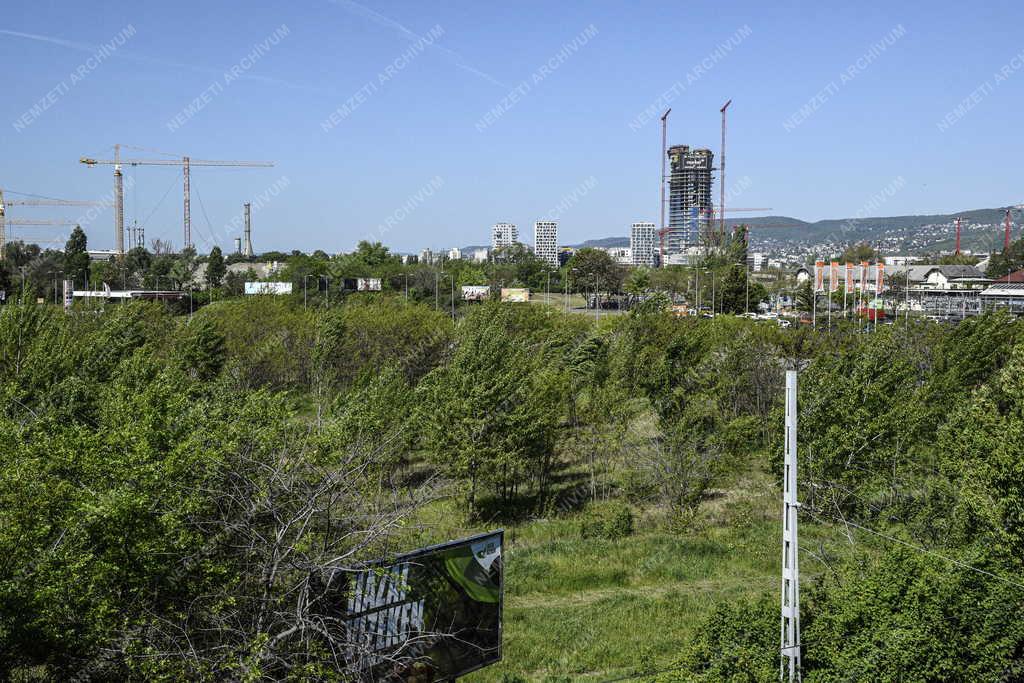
(689,200)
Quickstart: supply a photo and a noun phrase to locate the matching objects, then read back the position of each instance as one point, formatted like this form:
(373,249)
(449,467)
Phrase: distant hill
(603,243)
(914,234)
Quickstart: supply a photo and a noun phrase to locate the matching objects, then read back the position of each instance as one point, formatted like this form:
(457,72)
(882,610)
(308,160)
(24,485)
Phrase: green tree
(735,288)
(639,281)
(76,256)
(490,414)
(805,297)
(1007,261)
(594,268)
(855,253)
(215,268)
(202,349)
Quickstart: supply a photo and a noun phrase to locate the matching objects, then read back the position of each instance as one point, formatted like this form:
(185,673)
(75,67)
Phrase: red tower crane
(1008,223)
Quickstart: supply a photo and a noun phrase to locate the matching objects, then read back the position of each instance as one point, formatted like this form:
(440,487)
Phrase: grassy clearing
(592,609)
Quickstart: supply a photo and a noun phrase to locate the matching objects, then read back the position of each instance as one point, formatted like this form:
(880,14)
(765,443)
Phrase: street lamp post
(568,287)
(746,284)
(696,286)
(713,300)
(23,292)
(451,277)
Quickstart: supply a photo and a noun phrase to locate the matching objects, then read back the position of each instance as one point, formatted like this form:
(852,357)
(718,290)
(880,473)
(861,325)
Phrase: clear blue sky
(569,129)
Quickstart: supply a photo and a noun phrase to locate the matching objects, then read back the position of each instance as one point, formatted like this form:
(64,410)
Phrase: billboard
(268,288)
(368,284)
(430,615)
(515,295)
(476,292)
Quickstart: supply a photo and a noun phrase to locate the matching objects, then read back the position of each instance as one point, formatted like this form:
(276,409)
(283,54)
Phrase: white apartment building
(504,235)
(756,261)
(545,241)
(642,246)
(454,254)
(621,255)
(481,255)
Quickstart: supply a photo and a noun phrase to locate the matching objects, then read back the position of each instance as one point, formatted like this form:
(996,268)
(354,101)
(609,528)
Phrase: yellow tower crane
(185,162)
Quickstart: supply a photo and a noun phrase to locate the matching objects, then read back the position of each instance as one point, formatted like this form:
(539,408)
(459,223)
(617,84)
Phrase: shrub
(610,521)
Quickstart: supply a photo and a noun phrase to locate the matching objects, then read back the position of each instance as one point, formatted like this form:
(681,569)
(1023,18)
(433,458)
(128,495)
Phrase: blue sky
(930,93)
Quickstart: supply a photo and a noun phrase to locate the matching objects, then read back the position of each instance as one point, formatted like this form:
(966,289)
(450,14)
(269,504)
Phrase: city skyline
(798,107)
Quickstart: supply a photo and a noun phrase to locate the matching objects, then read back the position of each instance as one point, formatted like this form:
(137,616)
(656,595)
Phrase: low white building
(687,257)
(621,255)
(481,255)
(757,261)
(900,260)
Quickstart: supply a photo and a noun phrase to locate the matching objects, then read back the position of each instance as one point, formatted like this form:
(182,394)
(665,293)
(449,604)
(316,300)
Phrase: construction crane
(664,179)
(185,162)
(35,201)
(721,180)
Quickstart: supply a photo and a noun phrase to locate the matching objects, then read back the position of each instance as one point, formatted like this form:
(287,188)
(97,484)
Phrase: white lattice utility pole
(789,653)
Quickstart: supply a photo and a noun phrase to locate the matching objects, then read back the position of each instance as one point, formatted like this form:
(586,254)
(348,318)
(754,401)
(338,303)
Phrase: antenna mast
(790,623)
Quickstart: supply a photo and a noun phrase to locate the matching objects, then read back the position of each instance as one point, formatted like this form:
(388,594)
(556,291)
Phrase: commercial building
(504,235)
(643,245)
(545,241)
(689,199)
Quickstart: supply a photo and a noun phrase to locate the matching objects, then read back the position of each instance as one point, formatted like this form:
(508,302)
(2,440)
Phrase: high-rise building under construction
(689,199)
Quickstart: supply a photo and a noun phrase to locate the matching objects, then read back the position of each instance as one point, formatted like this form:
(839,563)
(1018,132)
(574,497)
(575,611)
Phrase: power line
(633,677)
(150,215)
(921,549)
